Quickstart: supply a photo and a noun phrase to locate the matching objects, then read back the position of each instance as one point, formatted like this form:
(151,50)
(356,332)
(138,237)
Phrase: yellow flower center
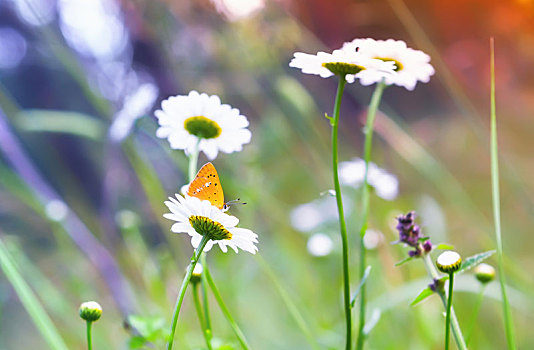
(343,68)
(398,65)
(207,227)
(202,127)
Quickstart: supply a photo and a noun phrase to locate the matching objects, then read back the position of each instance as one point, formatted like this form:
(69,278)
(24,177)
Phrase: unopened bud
(449,262)
(90,311)
(197,273)
(484,273)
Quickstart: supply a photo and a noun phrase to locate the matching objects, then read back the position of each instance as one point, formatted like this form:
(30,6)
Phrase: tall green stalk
(448,315)
(343,228)
(368,132)
(456,331)
(183,288)
(198,307)
(508,322)
(193,160)
(204,287)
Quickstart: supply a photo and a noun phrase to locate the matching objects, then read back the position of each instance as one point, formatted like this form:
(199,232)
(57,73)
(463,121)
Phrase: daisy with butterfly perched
(194,123)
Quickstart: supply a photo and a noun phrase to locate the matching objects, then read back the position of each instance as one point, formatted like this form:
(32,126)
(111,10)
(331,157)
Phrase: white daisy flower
(349,64)
(319,212)
(411,65)
(201,119)
(199,218)
(385,184)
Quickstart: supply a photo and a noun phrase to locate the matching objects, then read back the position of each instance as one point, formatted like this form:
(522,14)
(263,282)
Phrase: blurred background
(83,177)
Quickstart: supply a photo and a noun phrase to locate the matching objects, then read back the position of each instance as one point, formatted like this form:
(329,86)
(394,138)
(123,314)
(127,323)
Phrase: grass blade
(30,302)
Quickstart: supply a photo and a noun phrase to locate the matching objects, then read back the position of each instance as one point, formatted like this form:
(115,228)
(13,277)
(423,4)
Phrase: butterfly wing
(207,186)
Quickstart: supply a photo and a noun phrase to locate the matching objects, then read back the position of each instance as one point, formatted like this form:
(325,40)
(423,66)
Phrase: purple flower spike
(410,234)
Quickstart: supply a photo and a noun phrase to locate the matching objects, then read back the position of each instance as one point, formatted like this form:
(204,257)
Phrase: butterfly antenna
(234,201)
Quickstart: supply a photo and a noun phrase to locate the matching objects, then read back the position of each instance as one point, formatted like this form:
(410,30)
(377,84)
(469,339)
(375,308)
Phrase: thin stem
(448,317)
(204,286)
(193,159)
(508,322)
(368,143)
(198,307)
(474,317)
(89,338)
(187,278)
(456,331)
(237,331)
(343,229)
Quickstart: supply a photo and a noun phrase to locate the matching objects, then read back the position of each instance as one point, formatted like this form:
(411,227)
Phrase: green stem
(456,331)
(198,307)
(368,132)
(474,317)
(204,286)
(187,278)
(239,334)
(508,322)
(89,338)
(193,160)
(343,229)
(448,317)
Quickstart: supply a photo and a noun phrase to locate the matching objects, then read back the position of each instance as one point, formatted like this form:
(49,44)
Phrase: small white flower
(411,65)
(385,184)
(320,244)
(188,120)
(198,218)
(342,62)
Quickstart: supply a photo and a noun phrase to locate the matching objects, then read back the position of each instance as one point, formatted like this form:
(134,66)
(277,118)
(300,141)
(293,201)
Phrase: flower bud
(197,273)
(427,246)
(90,311)
(484,273)
(449,262)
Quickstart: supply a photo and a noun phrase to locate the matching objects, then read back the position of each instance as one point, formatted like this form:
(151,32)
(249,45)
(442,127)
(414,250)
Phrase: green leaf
(425,293)
(474,260)
(66,122)
(362,282)
(150,328)
(445,246)
(399,263)
(136,342)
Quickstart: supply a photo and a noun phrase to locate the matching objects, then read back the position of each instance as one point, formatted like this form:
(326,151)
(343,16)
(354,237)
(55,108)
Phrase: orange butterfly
(206,186)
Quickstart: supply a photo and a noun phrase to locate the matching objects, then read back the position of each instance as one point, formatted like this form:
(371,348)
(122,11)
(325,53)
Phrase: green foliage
(151,329)
(474,260)
(425,293)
